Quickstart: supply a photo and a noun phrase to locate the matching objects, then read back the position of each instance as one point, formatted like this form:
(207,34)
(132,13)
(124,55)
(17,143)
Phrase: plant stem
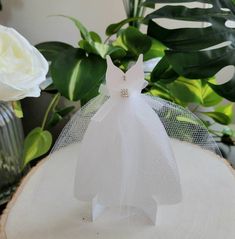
(142,9)
(133,8)
(138,8)
(51,106)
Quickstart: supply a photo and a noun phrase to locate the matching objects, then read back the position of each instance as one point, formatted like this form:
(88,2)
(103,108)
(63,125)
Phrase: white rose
(22,67)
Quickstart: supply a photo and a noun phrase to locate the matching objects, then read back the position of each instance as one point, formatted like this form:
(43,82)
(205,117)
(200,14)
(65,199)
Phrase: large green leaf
(191,38)
(191,51)
(75,73)
(157,49)
(164,72)
(188,91)
(90,95)
(52,49)
(159,89)
(201,64)
(37,143)
(132,40)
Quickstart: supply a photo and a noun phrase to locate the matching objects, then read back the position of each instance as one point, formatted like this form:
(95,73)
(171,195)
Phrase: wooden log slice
(44,205)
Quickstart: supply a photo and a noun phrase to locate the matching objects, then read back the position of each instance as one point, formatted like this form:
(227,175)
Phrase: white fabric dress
(126,157)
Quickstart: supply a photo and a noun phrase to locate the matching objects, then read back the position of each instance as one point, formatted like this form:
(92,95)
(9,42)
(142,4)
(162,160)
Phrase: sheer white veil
(180,123)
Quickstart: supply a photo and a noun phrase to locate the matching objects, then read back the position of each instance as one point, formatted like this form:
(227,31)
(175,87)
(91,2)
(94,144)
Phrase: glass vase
(11,149)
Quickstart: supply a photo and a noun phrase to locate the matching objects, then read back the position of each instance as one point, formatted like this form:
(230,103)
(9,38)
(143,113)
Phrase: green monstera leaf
(197,52)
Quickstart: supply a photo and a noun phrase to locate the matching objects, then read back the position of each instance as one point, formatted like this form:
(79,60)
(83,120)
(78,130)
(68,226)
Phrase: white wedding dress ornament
(125,158)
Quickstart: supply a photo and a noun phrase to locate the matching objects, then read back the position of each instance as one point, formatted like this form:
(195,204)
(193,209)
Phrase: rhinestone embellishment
(124,93)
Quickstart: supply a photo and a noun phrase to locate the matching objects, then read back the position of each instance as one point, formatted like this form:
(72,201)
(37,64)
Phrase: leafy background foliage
(186,62)
(188,52)
(196,54)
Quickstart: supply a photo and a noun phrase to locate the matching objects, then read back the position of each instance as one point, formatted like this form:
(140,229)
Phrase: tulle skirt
(126,157)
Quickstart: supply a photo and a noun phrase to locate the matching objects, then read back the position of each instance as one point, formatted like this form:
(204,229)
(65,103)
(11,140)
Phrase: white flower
(22,67)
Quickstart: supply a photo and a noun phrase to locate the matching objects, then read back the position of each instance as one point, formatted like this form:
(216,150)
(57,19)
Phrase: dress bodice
(126,84)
